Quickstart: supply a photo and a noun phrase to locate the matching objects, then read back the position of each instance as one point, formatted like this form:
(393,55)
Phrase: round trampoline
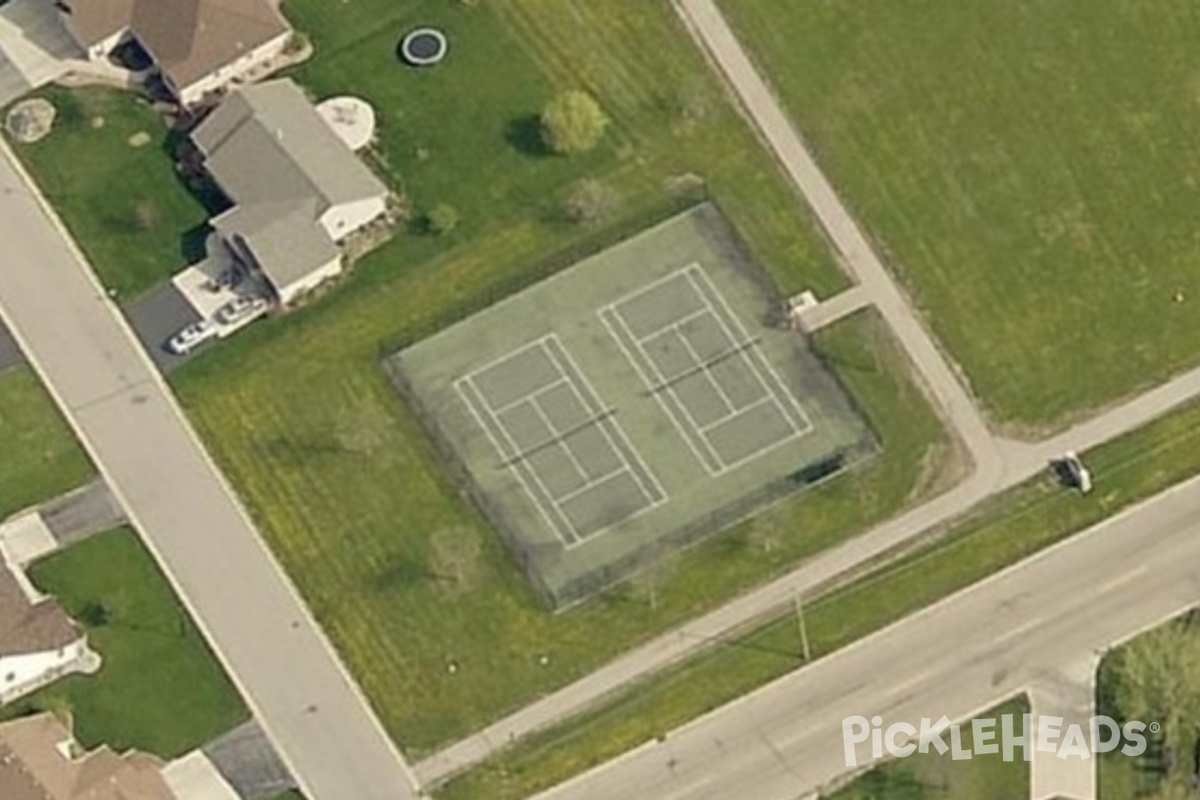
(423,47)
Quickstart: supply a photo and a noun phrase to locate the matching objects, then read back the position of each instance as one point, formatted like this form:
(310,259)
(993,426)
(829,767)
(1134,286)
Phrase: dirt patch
(455,554)
(31,120)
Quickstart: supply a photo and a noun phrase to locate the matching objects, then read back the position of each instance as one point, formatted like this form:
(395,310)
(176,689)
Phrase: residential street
(1027,626)
(186,512)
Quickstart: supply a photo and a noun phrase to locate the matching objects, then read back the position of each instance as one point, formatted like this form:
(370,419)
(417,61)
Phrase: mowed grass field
(41,458)
(1028,168)
(400,569)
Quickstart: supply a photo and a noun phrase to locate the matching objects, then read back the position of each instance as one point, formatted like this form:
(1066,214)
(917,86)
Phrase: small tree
(573,122)
(590,202)
(442,219)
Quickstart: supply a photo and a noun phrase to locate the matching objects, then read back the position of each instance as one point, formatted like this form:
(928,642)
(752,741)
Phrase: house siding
(343,220)
(194,93)
(296,289)
(22,674)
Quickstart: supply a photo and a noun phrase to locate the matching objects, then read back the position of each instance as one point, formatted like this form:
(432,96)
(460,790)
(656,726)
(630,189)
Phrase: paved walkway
(836,308)
(187,514)
(1069,693)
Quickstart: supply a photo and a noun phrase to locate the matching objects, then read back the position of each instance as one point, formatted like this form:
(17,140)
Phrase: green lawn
(41,457)
(160,689)
(1029,174)
(341,477)
(1006,529)
(935,776)
(123,203)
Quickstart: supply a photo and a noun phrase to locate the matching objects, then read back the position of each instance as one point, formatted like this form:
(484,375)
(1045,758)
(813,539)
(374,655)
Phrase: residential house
(38,641)
(198,46)
(40,760)
(297,188)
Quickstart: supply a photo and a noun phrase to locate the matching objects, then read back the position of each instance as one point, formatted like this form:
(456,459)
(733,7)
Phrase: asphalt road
(185,511)
(1027,625)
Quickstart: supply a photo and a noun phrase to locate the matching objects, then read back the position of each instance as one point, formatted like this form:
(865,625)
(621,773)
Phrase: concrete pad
(25,538)
(35,42)
(193,777)
(198,285)
(1071,694)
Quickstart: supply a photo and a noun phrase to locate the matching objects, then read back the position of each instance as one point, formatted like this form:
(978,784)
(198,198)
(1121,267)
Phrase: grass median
(1004,530)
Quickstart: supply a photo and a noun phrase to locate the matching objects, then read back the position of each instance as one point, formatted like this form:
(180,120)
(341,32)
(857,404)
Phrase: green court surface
(641,399)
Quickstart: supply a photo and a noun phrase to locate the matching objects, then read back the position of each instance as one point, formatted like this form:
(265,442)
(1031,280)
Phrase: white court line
(650,385)
(541,507)
(499,360)
(734,337)
(532,396)
(779,382)
(595,395)
(767,398)
(648,287)
(671,325)
(707,372)
(669,385)
(554,432)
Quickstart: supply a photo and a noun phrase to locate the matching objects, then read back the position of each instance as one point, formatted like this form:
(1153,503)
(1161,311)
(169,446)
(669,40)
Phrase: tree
(573,122)
(1155,679)
(591,201)
(442,219)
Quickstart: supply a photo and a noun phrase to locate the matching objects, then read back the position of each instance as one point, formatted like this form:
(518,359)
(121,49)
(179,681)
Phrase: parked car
(191,337)
(1077,474)
(241,308)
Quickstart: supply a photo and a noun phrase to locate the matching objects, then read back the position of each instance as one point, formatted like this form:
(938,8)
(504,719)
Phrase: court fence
(533,557)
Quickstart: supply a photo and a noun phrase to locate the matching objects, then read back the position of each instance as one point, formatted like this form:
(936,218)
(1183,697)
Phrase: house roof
(283,166)
(267,143)
(285,238)
(37,762)
(27,627)
(189,39)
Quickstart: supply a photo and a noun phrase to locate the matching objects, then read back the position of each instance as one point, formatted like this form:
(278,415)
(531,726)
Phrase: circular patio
(351,118)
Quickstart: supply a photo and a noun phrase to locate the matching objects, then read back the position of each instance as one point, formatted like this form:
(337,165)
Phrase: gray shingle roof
(268,143)
(284,167)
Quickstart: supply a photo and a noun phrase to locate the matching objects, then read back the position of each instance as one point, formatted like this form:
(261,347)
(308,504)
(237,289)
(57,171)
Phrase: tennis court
(629,405)
(567,450)
(695,356)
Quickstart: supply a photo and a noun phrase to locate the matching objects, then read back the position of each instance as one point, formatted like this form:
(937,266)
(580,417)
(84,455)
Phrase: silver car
(241,308)
(191,337)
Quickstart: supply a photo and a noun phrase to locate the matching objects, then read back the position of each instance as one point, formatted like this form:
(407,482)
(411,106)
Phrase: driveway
(155,317)
(35,47)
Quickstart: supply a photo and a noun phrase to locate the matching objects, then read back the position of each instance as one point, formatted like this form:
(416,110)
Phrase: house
(197,46)
(40,760)
(298,190)
(38,641)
